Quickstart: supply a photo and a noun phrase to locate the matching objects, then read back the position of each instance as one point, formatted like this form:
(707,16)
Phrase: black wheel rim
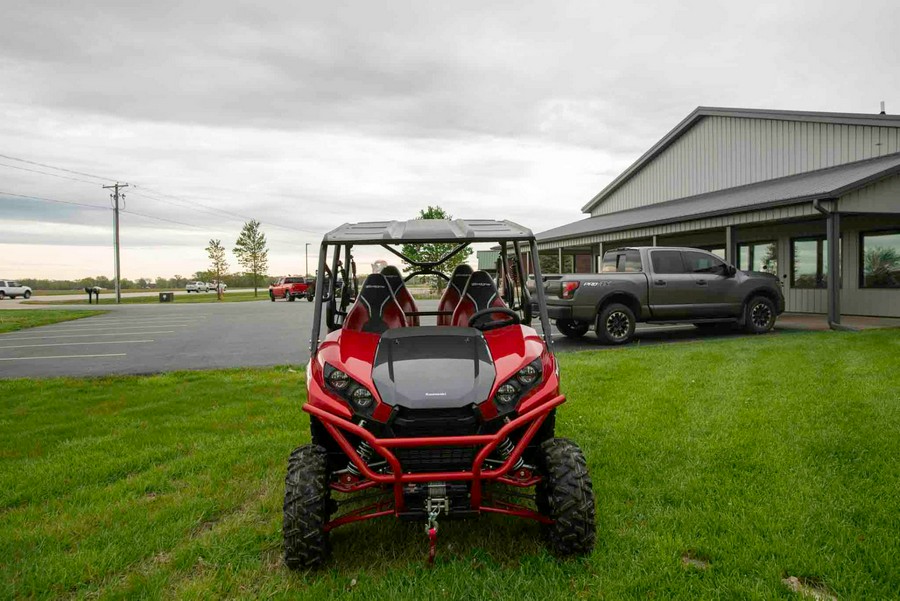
(617,324)
(760,315)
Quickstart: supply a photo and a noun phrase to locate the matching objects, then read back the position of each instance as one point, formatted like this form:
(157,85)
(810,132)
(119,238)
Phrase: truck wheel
(309,297)
(271,297)
(2,295)
(566,496)
(759,316)
(290,297)
(615,324)
(307,503)
(572,328)
(27,294)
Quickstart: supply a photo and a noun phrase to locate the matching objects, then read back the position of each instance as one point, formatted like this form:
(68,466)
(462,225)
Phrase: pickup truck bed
(661,285)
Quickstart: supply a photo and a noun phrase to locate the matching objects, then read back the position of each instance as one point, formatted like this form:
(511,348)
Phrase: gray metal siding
(724,152)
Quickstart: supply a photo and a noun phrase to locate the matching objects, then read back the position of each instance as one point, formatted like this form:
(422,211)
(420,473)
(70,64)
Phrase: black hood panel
(433,367)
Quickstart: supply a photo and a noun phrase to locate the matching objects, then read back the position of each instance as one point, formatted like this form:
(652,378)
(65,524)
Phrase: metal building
(789,192)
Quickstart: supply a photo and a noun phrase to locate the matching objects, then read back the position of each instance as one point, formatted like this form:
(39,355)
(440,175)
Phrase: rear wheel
(307,503)
(615,324)
(2,295)
(309,297)
(572,328)
(566,496)
(759,315)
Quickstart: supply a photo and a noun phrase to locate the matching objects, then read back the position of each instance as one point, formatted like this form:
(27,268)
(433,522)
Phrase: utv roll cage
(511,275)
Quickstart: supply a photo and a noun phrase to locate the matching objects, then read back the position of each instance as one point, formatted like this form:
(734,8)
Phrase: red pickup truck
(291,288)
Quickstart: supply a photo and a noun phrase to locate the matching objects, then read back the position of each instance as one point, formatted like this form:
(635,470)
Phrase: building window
(809,263)
(880,260)
(758,256)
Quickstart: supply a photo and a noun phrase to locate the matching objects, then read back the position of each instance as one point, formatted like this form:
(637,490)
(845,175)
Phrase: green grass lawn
(180,298)
(81,291)
(766,457)
(17,319)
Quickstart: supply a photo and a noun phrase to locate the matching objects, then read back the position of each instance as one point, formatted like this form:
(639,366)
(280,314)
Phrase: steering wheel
(481,316)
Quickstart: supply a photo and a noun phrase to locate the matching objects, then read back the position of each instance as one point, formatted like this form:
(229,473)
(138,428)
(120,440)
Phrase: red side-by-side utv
(432,422)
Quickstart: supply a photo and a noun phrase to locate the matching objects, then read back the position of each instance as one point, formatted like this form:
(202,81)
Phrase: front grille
(461,421)
(436,459)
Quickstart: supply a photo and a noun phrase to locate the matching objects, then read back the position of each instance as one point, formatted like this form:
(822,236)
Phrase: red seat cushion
(453,293)
(480,293)
(375,309)
(401,294)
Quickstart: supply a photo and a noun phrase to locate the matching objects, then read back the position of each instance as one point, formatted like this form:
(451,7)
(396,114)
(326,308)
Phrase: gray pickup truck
(661,285)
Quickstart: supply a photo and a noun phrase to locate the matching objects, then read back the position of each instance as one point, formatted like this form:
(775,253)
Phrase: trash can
(166,297)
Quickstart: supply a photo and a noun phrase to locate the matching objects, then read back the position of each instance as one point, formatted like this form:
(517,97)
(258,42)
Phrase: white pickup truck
(196,287)
(12,289)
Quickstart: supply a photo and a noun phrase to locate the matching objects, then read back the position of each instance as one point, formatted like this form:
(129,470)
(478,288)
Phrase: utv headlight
(528,374)
(362,397)
(338,379)
(338,382)
(509,393)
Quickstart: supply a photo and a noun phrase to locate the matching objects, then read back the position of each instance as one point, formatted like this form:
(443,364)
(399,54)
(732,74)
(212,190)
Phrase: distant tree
(252,252)
(218,265)
(434,251)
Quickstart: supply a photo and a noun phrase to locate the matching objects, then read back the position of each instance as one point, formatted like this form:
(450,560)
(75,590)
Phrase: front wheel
(566,495)
(271,297)
(27,294)
(2,295)
(615,324)
(307,502)
(760,315)
(572,328)
(290,297)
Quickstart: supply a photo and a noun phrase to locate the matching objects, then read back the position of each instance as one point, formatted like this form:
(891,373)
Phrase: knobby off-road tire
(615,324)
(572,328)
(565,494)
(307,502)
(759,316)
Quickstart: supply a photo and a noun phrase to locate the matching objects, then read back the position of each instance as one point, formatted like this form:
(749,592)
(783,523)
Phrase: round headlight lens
(338,379)
(362,397)
(506,394)
(527,375)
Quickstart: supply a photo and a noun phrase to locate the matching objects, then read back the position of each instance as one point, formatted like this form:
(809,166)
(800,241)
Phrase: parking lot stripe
(63,357)
(110,328)
(75,343)
(6,338)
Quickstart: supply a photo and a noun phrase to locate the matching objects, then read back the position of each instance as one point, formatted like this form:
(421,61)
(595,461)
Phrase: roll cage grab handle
(427,269)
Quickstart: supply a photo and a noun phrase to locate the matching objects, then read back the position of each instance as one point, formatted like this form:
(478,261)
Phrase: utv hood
(433,367)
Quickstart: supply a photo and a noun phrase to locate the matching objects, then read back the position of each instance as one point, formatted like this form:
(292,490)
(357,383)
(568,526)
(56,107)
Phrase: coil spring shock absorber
(364,450)
(506,449)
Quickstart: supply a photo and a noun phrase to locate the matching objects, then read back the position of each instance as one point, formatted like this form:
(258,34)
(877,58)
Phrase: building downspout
(833,230)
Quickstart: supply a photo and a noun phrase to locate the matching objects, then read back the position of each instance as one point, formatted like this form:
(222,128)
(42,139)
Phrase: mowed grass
(180,298)
(18,319)
(762,458)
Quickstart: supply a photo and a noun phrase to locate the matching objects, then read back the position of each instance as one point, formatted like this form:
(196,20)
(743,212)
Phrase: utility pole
(115,197)
(307,261)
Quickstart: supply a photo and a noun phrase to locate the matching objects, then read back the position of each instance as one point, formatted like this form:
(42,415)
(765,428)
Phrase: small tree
(252,252)
(218,265)
(433,252)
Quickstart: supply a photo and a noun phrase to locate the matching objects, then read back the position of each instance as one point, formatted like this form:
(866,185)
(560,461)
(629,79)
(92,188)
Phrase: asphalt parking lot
(140,339)
(153,338)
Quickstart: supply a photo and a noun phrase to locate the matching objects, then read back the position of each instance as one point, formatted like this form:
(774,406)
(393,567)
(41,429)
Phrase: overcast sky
(307,115)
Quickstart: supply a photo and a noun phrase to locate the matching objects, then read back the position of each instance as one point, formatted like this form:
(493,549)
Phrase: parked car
(292,288)
(662,285)
(12,289)
(196,287)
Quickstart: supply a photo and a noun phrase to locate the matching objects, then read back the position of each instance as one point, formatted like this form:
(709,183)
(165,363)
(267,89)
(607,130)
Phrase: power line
(43,199)
(21,160)
(130,212)
(74,179)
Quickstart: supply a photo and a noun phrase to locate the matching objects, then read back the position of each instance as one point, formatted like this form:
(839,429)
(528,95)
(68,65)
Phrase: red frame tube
(533,418)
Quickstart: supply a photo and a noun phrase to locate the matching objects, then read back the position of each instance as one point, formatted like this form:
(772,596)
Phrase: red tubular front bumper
(336,426)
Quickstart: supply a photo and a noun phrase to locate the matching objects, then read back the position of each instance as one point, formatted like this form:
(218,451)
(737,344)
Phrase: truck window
(667,261)
(632,261)
(697,262)
(609,263)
